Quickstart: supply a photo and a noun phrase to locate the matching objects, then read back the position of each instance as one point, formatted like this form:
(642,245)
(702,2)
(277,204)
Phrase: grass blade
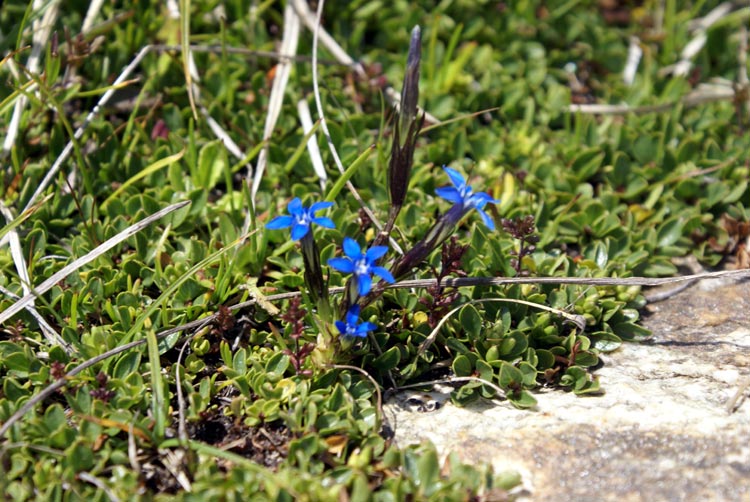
(339,185)
(159,164)
(185,42)
(289,41)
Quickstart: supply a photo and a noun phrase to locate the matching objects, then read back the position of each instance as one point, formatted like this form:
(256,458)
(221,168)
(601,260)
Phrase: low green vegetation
(230,347)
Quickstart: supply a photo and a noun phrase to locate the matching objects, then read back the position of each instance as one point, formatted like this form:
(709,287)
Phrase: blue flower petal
(450,194)
(324,222)
(383,274)
(363,328)
(464,199)
(361,265)
(299,230)
(295,207)
(350,326)
(488,198)
(364,284)
(474,203)
(481,198)
(486,219)
(341,326)
(280,222)
(344,265)
(300,218)
(351,248)
(352,315)
(456,178)
(375,253)
(320,205)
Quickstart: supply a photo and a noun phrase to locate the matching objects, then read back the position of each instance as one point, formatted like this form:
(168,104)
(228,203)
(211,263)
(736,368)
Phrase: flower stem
(314,281)
(438,234)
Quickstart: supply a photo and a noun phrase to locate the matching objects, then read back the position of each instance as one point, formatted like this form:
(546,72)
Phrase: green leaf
(80,456)
(509,376)
(329,422)
(54,418)
(466,394)
(462,366)
(546,359)
(522,399)
(428,469)
(659,267)
(575,377)
(670,231)
(736,192)
(81,403)
(388,360)
(507,480)
(529,373)
(513,345)
(486,372)
(17,362)
(13,390)
(239,361)
(212,162)
(586,359)
(126,365)
(591,387)
(645,149)
(587,163)
(457,346)
(604,341)
(471,321)
(631,332)
(226,353)
(277,366)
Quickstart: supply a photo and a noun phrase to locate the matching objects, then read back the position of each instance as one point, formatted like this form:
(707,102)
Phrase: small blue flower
(300,218)
(460,194)
(351,328)
(362,265)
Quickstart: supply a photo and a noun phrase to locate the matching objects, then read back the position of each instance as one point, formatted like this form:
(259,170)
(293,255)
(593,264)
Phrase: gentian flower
(461,195)
(362,265)
(351,328)
(464,200)
(300,218)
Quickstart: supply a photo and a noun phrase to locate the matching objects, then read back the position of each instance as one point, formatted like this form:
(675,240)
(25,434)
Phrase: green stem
(316,285)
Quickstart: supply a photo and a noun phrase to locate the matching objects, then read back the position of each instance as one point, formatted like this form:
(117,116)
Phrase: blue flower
(361,265)
(461,195)
(300,218)
(351,328)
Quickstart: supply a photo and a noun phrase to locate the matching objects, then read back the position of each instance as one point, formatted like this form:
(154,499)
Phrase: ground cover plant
(205,294)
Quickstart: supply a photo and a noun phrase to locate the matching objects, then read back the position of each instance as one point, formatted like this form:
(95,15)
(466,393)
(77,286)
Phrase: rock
(662,430)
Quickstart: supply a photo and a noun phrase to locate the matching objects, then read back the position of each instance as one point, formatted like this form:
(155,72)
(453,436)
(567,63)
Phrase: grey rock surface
(662,430)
